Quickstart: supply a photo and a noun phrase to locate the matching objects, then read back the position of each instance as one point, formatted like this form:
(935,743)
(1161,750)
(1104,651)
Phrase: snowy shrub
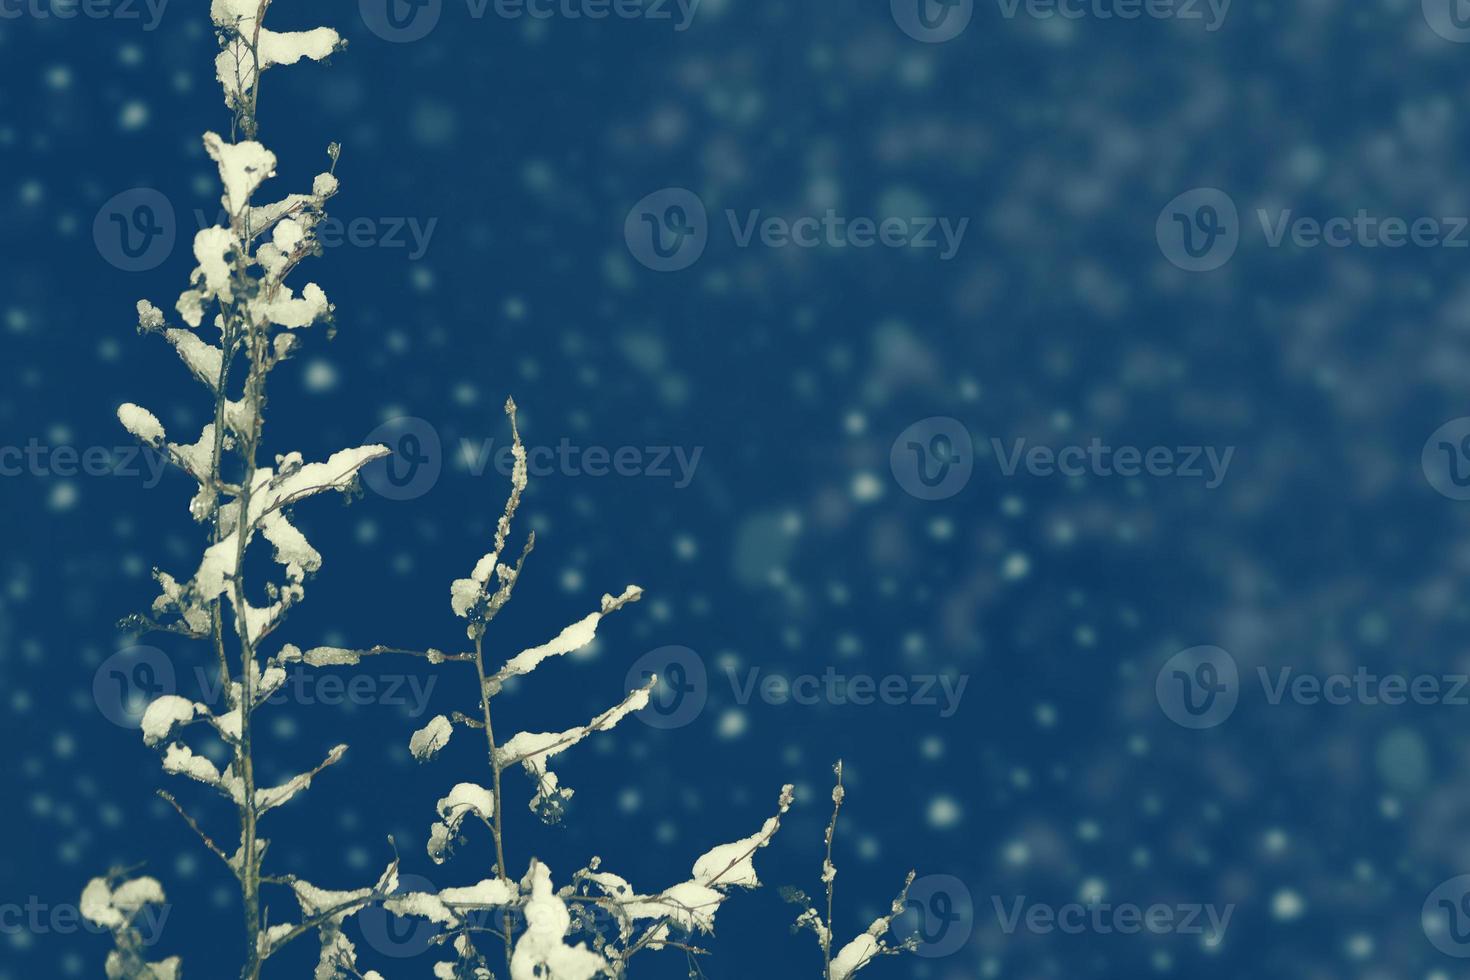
(240,320)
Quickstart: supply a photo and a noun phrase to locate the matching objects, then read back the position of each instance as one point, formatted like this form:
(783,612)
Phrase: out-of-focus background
(1088,470)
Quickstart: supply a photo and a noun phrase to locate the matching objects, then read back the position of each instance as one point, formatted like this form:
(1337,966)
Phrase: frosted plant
(596,921)
(867,946)
(114,903)
(613,920)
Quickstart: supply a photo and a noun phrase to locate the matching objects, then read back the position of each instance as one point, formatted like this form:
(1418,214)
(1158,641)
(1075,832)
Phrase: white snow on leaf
(285,310)
(150,317)
(427,741)
(485,567)
(164,713)
(569,640)
(320,656)
(203,360)
(120,967)
(211,278)
(291,547)
(236,64)
(463,594)
(197,459)
(732,865)
(692,905)
(614,886)
(336,473)
(542,951)
(856,954)
(230,13)
(421,905)
(446,907)
(270,493)
(229,724)
(143,424)
(534,750)
(269,682)
(337,953)
(465,799)
(330,657)
(262,217)
(266,940)
(314,900)
(269,799)
(180,760)
(489,893)
(97,905)
(288,235)
(114,908)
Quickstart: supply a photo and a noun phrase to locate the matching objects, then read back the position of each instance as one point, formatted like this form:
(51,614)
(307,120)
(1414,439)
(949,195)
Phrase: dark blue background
(1059,320)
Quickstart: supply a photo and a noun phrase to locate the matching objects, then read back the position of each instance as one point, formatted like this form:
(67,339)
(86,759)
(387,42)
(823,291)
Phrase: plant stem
(257,362)
(249,858)
(497,830)
(830,872)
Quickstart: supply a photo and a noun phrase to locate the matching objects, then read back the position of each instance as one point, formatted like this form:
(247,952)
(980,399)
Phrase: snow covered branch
(590,927)
(867,946)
